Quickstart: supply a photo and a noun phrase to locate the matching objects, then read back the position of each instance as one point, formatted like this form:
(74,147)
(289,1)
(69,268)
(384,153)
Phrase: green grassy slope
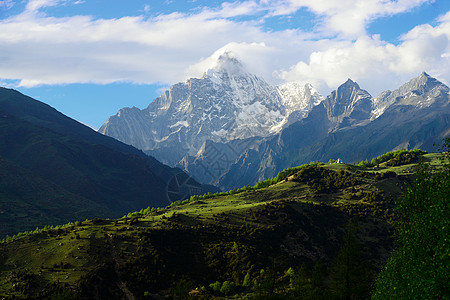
(292,223)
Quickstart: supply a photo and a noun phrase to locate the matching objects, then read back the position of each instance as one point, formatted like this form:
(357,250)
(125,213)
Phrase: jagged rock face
(416,115)
(421,92)
(348,105)
(214,159)
(298,100)
(227,103)
(231,128)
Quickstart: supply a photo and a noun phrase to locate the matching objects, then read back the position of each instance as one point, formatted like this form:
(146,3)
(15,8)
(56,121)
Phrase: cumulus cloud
(376,63)
(346,18)
(39,49)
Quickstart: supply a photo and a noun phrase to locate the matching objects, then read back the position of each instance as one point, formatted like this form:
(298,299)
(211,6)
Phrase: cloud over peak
(37,48)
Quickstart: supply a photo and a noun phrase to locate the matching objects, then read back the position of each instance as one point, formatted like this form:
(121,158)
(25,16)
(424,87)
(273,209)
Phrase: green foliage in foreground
(420,267)
(286,241)
(324,180)
(394,158)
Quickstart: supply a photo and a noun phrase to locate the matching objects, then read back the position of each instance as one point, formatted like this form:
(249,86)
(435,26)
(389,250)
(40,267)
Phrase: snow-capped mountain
(348,105)
(351,125)
(232,128)
(421,92)
(227,103)
(298,100)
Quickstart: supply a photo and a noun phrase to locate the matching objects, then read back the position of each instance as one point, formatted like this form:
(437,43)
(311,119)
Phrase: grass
(70,253)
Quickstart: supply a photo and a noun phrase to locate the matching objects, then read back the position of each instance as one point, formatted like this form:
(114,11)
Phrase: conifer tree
(420,266)
(349,274)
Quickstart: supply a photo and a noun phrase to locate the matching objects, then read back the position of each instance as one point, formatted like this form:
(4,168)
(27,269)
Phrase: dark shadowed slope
(55,149)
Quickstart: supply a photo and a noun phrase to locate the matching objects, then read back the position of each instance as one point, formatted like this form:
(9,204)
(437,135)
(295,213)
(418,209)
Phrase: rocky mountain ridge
(411,94)
(227,103)
(230,123)
(417,115)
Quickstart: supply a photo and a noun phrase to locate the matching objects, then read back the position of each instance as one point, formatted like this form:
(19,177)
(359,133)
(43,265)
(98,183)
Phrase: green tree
(216,286)
(349,273)
(227,288)
(419,268)
(300,282)
(265,284)
(181,289)
(247,280)
(317,281)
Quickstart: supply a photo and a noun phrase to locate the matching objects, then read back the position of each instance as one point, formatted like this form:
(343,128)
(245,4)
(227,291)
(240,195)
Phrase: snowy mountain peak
(347,93)
(421,84)
(227,103)
(226,67)
(348,105)
(350,86)
(349,82)
(296,96)
(422,91)
(229,63)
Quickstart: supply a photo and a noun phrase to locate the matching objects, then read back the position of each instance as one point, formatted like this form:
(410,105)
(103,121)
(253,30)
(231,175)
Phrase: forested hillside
(318,231)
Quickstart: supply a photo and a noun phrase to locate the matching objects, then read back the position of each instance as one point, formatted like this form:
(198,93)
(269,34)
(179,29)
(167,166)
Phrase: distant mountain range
(416,115)
(54,170)
(231,128)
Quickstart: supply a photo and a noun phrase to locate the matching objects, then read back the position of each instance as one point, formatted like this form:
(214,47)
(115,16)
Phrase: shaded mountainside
(28,200)
(417,115)
(218,245)
(82,171)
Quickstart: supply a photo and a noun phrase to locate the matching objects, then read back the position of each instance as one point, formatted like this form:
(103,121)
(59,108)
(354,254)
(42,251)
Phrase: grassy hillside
(284,240)
(47,157)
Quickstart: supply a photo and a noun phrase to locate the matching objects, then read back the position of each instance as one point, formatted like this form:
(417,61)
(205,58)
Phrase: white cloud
(6,4)
(254,56)
(39,49)
(233,9)
(346,18)
(378,64)
(35,5)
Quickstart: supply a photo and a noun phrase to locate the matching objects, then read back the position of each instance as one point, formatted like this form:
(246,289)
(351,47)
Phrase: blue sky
(90,58)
